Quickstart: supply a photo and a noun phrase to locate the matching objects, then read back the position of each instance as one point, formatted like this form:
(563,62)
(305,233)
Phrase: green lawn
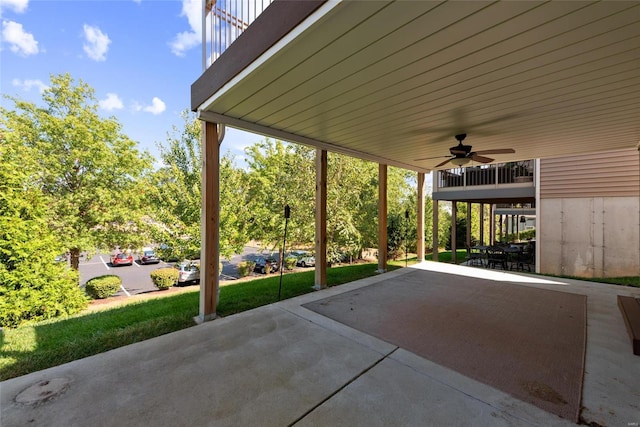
(445,256)
(37,346)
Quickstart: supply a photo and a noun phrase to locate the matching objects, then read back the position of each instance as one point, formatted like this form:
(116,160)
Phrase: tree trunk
(75,258)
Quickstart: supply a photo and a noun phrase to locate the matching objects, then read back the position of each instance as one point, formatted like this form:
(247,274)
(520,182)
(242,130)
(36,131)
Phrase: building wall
(589,211)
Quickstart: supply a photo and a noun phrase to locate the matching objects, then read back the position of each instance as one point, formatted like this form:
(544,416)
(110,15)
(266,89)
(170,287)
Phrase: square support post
(454,232)
(420,218)
(468,236)
(482,223)
(492,225)
(320,280)
(436,243)
(210,226)
(382,218)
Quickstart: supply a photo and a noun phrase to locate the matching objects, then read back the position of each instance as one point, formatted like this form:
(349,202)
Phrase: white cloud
(157,106)
(18,6)
(97,43)
(111,102)
(28,84)
(186,40)
(19,41)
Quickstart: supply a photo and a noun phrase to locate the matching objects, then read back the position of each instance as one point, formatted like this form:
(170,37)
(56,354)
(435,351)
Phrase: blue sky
(140,56)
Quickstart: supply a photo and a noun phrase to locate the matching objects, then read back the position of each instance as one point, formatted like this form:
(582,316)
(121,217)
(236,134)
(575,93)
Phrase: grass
(37,346)
(445,256)
(633,281)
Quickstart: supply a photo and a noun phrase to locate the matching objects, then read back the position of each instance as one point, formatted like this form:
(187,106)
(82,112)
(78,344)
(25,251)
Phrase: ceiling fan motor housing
(460,150)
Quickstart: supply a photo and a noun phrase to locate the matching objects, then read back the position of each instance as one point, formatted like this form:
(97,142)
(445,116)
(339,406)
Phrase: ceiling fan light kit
(460,161)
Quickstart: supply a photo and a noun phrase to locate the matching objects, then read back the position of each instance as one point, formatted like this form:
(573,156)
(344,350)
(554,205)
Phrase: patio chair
(474,257)
(496,256)
(523,259)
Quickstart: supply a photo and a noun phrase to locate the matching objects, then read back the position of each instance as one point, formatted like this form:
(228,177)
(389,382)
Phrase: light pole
(406,234)
(287,214)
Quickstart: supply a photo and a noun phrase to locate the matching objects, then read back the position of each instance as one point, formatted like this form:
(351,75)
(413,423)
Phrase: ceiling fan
(461,154)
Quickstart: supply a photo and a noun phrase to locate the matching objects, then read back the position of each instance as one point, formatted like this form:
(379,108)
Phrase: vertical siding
(609,174)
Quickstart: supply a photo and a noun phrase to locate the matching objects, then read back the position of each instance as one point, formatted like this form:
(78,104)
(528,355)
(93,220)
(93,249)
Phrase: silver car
(188,272)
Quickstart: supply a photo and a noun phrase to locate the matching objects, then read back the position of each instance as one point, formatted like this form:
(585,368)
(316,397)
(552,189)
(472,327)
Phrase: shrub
(164,278)
(290,263)
(34,294)
(103,286)
(245,267)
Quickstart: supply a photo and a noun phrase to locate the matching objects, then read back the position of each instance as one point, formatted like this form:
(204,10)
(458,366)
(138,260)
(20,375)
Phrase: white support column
(420,218)
(382,218)
(210,226)
(320,281)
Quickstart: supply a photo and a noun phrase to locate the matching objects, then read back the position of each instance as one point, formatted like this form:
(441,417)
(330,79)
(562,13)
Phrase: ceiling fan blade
(457,151)
(443,163)
(431,158)
(497,151)
(480,159)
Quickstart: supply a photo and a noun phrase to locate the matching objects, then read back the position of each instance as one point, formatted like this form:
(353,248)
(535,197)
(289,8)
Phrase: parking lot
(136,278)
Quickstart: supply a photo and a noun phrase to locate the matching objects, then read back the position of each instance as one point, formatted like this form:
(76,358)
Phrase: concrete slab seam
(339,389)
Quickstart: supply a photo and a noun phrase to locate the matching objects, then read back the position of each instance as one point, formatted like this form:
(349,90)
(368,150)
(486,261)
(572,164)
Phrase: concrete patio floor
(283,365)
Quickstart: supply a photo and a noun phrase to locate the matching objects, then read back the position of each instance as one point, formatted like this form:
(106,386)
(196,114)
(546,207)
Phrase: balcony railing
(223,22)
(487,175)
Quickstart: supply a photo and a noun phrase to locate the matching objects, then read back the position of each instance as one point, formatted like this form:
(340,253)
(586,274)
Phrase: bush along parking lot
(164,278)
(103,286)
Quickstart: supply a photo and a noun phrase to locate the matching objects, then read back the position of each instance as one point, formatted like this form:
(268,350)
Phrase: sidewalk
(284,365)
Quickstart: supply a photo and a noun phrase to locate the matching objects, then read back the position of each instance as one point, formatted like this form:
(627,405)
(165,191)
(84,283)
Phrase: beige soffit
(395,81)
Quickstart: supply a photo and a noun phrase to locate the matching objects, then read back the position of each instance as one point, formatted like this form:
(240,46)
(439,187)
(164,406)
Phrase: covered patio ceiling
(394,82)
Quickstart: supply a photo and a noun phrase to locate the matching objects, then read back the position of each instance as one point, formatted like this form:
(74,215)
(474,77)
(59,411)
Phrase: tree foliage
(90,172)
(280,174)
(32,285)
(176,197)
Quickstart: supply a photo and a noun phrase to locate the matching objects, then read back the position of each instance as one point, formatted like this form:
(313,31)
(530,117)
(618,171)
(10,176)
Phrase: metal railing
(223,21)
(487,175)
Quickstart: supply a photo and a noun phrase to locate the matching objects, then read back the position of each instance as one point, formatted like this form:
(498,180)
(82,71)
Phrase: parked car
(306,260)
(148,257)
(188,272)
(121,259)
(261,263)
(303,258)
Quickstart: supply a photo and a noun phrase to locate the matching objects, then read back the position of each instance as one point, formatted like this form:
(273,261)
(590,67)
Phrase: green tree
(90,172)
(176,195)
(32,285)
(280,174)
